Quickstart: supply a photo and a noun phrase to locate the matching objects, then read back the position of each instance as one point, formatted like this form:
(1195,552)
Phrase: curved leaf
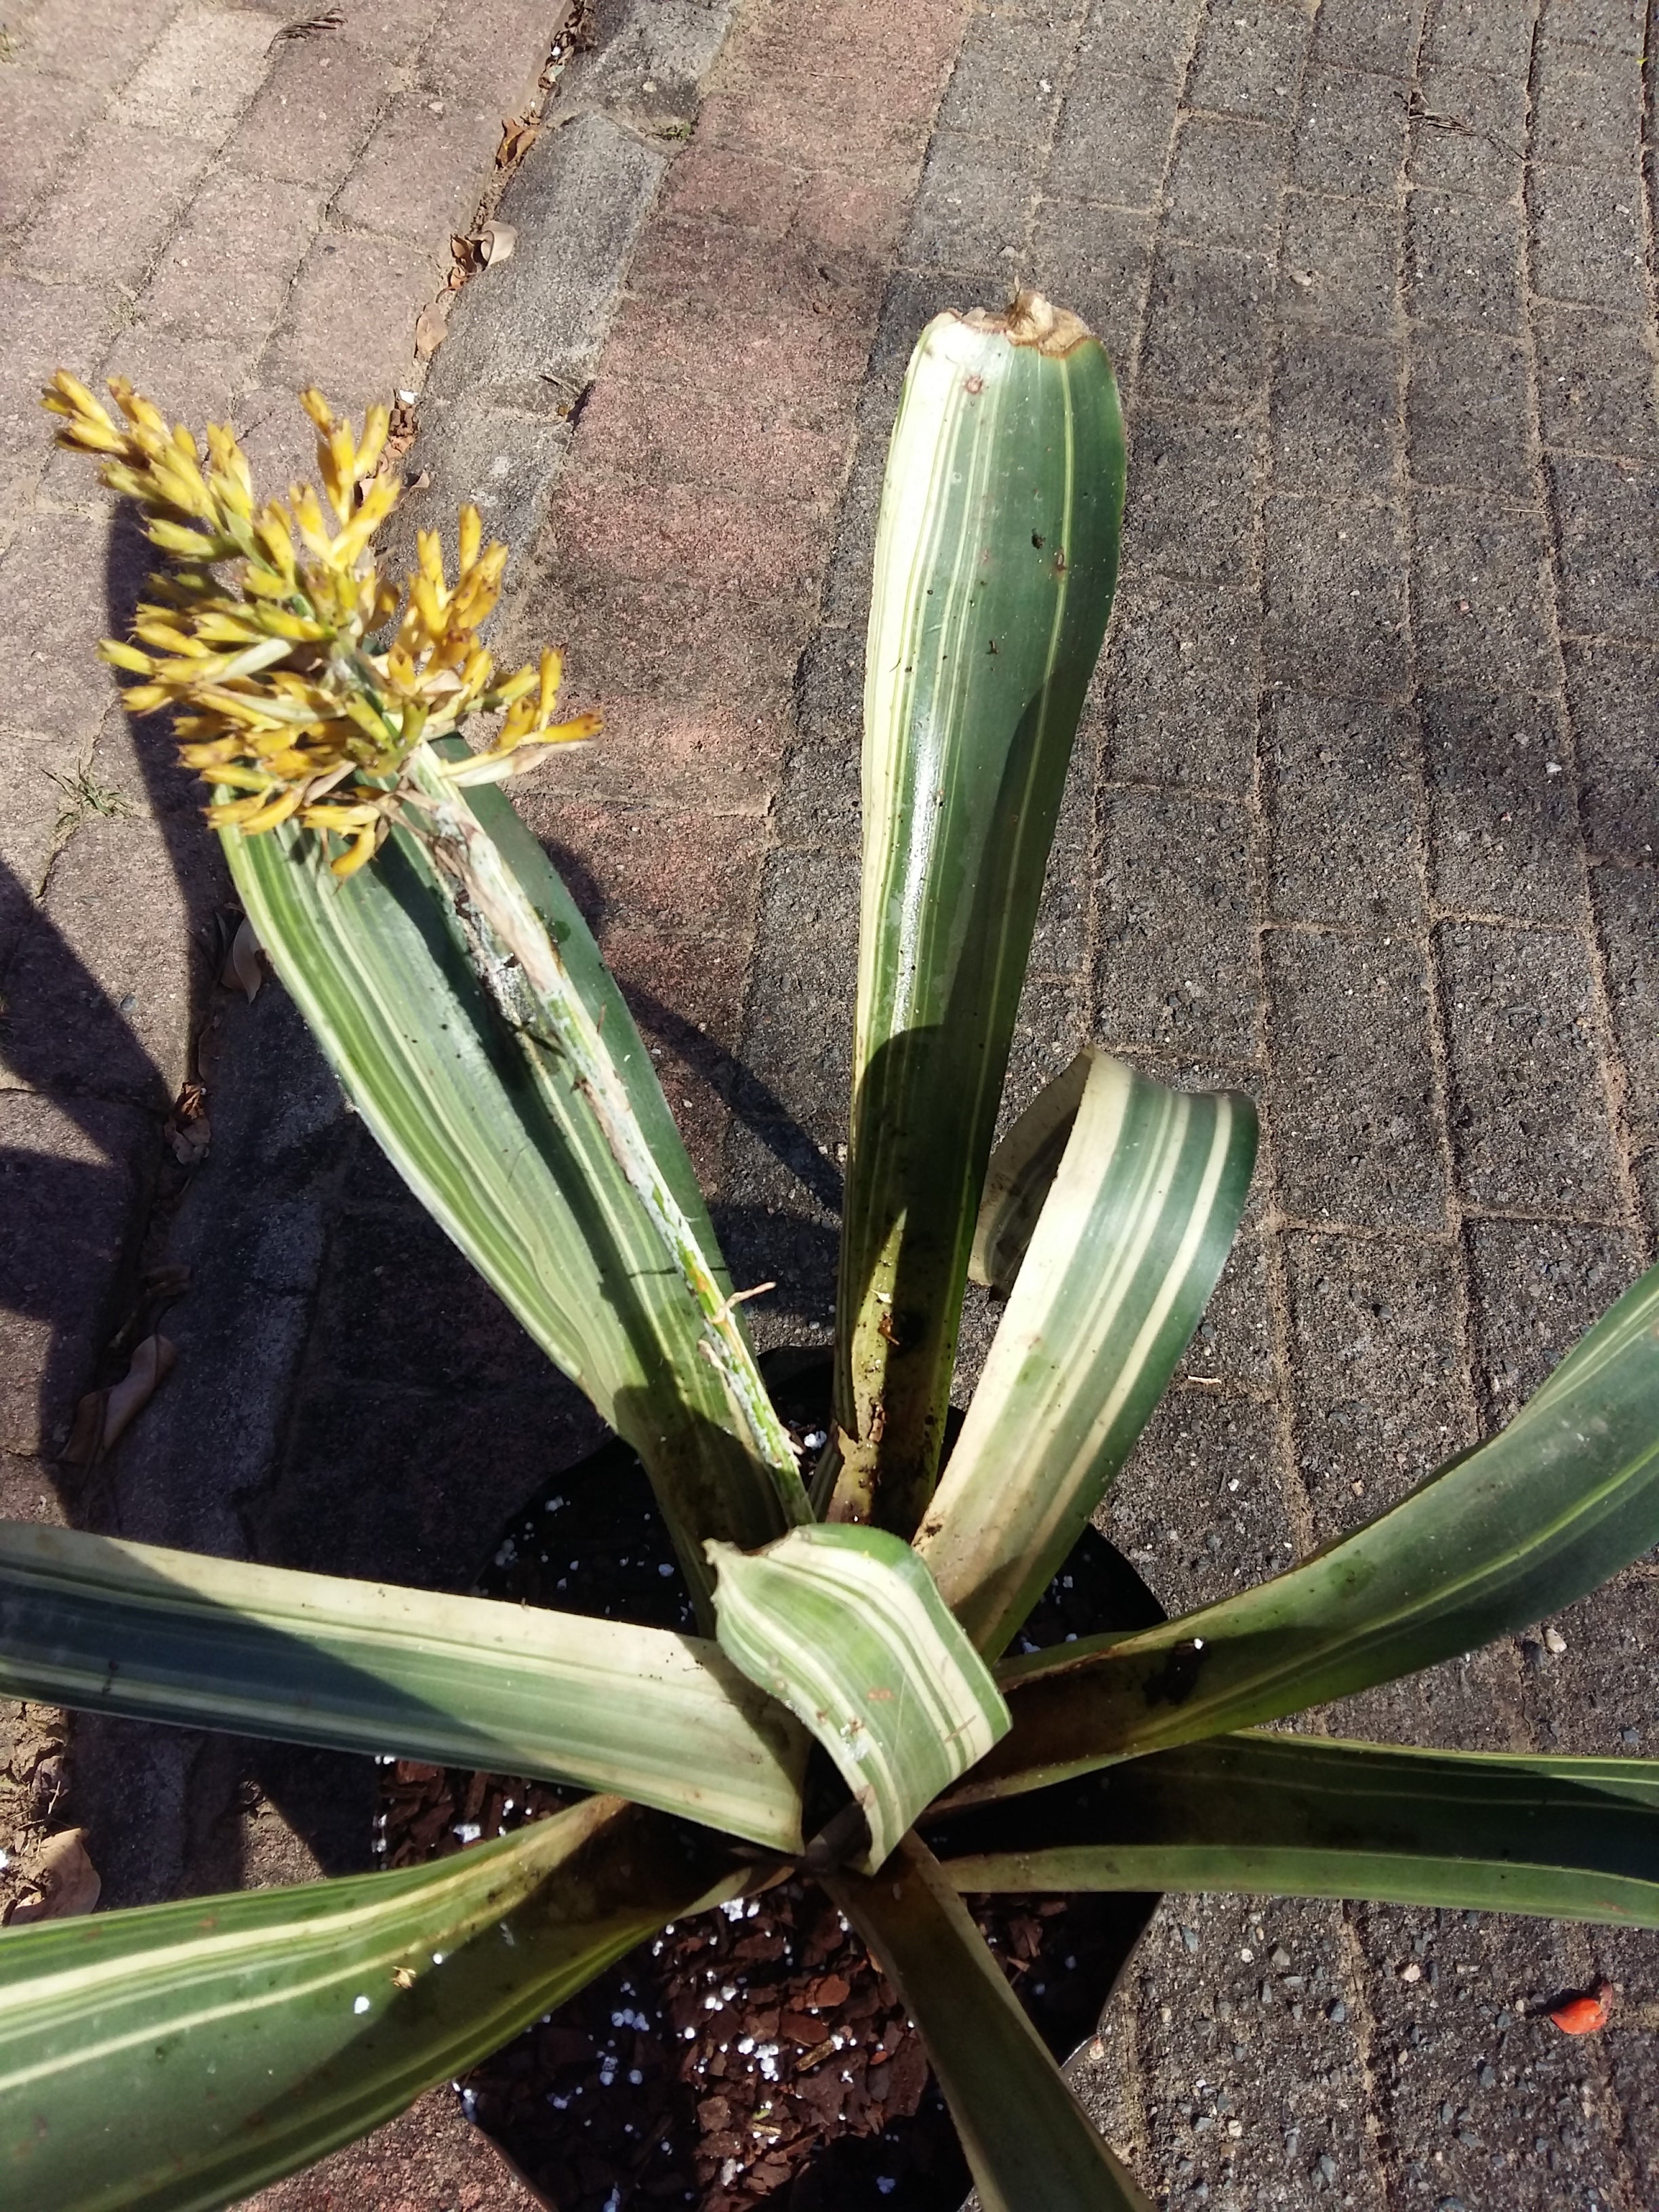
(1133,1230)
(177,2057)
(1031,2147)
(170,1635)
(995,563)
(1527,1523)
(1308,1816)
(845,1627)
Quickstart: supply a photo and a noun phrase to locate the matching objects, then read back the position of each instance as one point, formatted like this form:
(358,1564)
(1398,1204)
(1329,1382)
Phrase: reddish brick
(227,270)
(866,215)
(684,641)
(351,324)
(693,874)
(708,183)
(107,231)
(687,1000)
(682,754)
(311,114)
(421,174)
(754,344)
(688,263)
(677,534)
(650,433)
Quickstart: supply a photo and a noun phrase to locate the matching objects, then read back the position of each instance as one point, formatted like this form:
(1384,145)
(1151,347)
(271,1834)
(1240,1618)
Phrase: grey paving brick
(1191,496)
(1208,327)
(1355,1104)
(972,208)
(1003,85)
(1469,132)
(200,74)
(1502,839)
(1587,237)
(1382,1396)
(1250,63)
(577,202)
(1482,603)
(1615,25)
(228,267)
(46,324)
(1596,381)
(1338,264)
(97,43)
(1355,1096)
(422,170)
(72,1177)
(1370,34)
(309,119)
(1344,798)
(1113,138)
(1350,134)
(1529,1118)
(1126,34)
(1097,260)
(1178,684)
(1172,1502)
(1336,413)
(1233,1342)
(1335,593)
(53,584)
(1511,2082)
(798,1033)
(1463,261)
(1627,917)
(107,236)
(1058,946)
(349,322)
(1614,698)
(818,795)
(1220,2013)
(1224,182)
(1493,35)
(1469,413)
(1587,106)
(1609,554)
(41,116)
(1177,963)
(1535,1287)
(777,1222)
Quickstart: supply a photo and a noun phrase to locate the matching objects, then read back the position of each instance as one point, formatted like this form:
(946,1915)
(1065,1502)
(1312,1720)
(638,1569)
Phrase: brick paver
(1363,821)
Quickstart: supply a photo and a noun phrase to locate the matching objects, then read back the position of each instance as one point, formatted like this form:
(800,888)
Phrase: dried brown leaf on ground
(102,1415)
(66,1878)
(431,328)
(307,27)
(519,134)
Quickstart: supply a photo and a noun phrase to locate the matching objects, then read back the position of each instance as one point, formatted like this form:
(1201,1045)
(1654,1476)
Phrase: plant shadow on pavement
(168,1809)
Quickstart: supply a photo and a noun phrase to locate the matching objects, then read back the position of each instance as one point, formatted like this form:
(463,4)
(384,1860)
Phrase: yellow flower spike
(268,816)
(430,550)
(551,673)
(470,536)
(521,681)
(377,428)
(362,850)
(319,410)
(124,656)
(378,502)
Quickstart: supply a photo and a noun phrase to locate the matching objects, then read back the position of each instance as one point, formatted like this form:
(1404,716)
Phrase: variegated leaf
(1137,1220)
(845,1627)
(171,1636)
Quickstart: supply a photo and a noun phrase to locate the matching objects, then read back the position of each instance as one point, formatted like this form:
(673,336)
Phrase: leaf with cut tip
(177,2057)
(1309,1816)
(995,562)
(160,1635)
(1503,1536)
(1032,2146)
(845,1627)
(1113,1222)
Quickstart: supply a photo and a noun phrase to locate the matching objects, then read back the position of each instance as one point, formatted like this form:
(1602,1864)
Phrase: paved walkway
(1365,821)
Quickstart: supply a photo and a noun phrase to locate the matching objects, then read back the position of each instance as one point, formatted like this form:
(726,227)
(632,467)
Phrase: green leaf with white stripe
(1031,2147)
(995,562)
(159,1635)
(500,1144)
(845,1626)
(1504,1535)
(1136,1218)
(177,2057)
(1308,1816)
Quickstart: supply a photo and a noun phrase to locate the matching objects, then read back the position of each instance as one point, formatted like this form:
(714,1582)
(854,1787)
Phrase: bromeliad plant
(854,1614)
